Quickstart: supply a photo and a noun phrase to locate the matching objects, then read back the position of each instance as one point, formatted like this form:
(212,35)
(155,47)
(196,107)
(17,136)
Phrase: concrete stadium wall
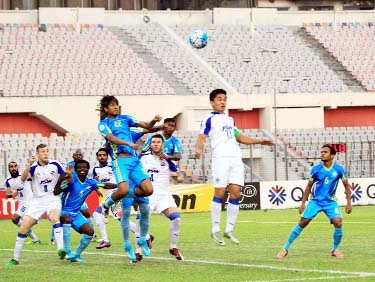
(78,114)
(217,16)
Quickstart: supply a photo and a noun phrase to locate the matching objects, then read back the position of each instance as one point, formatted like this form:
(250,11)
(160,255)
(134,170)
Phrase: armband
(236,132)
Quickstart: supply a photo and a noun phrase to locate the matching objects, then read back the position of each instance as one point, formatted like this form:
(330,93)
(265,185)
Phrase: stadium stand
(352,44)
(53,60)
(265,59)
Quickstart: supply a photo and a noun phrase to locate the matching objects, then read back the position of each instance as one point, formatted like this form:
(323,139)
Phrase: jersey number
(45,188)
(152,177)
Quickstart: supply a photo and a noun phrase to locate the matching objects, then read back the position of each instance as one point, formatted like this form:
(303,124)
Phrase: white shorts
(45,204)
(227,170)
(22,208)
(160,203)
(108,192)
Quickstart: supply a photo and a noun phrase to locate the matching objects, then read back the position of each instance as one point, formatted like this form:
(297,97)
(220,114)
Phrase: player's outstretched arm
(150,124)
(248,141)
(348,189)
(113,139)
(67,177)
(199,145)
(26,173)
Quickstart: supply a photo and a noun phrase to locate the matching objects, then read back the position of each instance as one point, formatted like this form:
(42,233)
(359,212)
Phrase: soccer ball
(198,39)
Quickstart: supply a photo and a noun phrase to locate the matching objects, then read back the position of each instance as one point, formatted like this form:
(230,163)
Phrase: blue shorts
(77,219)
(84,207)
(331,209)
(129,169)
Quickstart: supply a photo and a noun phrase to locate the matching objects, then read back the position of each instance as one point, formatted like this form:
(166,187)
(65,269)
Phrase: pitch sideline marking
(310,279)
(260,266)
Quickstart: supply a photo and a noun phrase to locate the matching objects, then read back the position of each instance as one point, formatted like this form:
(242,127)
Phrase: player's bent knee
(174,215)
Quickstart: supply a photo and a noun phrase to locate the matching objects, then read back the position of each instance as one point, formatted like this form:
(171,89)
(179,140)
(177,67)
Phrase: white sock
(215,216)
(99,219)
(20,241)
(136,236)
(174,231)
(133,226)
(232,214)
(58,233)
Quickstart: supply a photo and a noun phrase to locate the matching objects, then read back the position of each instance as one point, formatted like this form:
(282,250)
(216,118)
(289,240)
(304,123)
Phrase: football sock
(66,236)
(83,243)
(233,208)
(174,228)
(20,241)
(216,214)
(292,236)
(337,236)
(58,233)
(99,219)
(125,224)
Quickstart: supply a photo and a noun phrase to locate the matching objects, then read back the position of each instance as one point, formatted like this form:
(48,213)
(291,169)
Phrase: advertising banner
(288,194)
(193,197)
(250,197)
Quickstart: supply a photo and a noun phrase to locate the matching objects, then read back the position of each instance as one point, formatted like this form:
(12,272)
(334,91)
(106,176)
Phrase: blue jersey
(76,192)
(326,181)
(171,145)
(136,133)
(120,128)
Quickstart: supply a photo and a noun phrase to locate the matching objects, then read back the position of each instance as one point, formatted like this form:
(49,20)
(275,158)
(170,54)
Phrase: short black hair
(170,120)
(81,162)
(157,136)
(331,149)
(12,162)
(216,92)
(102,150)
(40,146)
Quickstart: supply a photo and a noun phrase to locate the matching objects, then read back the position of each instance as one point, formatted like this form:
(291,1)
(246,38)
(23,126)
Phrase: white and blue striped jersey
(104,174)
(25,193)
(159,172)
(44,178)
(220,129)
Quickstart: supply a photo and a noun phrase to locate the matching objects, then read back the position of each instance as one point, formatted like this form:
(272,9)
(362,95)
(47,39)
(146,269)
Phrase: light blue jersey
(171,145)
(326,181)
(76,192)
(120,128)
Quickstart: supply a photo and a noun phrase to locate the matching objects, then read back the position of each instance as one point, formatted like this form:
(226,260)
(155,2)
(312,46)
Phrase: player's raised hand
(157,118)
(32,159)
(69,171)
(163,156)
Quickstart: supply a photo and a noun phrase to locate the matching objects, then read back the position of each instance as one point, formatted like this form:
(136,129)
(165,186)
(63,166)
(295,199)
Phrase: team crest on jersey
(217,180)
(334,174)
(163,164)
(53,172)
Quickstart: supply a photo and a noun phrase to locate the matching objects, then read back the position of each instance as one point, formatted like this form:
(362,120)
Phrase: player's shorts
(128,202)
(126,169)
(77,219)
(331,209)
(45,204)
(160,203)
(22,208)
(84,207)
(227,170)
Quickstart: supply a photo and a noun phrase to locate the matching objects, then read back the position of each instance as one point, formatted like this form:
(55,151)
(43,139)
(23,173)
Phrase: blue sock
(337,236)
(90,222)
(66,237)
(108,202)
(83,243)
(125,226)
(292,236)
(144,221)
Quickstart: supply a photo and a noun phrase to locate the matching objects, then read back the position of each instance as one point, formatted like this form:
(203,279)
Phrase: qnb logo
(45,181)
(355,192)
(153,170)
(277,195)
(248,191)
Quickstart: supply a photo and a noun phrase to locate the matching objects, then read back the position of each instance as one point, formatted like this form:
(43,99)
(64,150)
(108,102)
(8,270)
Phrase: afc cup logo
(248,191)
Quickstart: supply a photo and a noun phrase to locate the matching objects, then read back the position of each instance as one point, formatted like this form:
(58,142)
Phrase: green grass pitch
(262,235)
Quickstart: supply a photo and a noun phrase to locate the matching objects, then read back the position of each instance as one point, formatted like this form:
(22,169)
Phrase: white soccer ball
(198,39)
